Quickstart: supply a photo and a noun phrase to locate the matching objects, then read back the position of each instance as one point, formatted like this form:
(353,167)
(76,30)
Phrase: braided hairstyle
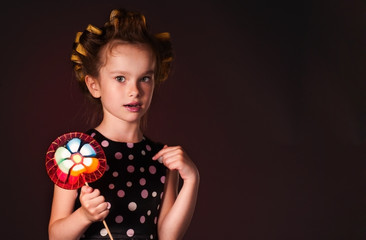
(123,26)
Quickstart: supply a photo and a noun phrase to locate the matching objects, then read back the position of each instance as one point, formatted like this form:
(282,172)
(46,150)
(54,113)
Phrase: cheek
(148,95)
(148,90)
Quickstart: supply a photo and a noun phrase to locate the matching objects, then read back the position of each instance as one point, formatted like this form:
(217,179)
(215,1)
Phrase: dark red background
(267,97)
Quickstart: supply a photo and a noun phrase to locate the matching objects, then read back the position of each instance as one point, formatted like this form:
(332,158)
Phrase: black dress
(134,184)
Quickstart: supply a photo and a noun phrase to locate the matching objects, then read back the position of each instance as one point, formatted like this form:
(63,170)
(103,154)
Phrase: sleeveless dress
(134,185)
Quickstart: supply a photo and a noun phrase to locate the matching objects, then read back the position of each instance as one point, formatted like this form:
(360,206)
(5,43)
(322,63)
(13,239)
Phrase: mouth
(134,104)
(133,107)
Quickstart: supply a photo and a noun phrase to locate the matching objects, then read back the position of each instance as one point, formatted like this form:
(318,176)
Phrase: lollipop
(75,159)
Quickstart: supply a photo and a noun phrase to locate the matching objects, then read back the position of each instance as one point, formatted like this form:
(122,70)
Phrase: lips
(133,107)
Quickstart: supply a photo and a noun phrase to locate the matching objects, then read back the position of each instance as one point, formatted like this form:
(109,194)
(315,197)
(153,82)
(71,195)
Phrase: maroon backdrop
(267,97)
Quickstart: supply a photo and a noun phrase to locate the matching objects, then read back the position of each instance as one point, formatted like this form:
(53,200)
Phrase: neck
(122,132)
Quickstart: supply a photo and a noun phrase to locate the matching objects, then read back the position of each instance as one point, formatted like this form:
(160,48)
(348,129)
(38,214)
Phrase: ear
(93,86)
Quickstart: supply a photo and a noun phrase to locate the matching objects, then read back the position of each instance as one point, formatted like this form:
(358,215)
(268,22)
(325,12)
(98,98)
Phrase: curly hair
(126,26)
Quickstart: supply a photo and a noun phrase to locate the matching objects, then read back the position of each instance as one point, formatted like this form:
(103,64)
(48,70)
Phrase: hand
(93,204)
(175,158)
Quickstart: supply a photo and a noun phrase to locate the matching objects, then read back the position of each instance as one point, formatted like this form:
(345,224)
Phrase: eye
(120,78)
(146,79)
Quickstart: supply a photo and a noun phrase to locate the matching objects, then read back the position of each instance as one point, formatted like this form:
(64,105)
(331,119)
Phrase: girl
(119,65)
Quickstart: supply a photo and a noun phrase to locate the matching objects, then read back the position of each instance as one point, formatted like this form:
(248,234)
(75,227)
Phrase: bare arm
(177,210)
(67,224)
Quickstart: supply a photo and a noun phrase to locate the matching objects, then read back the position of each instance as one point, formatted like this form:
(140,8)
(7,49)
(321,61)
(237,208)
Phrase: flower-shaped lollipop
(75,159)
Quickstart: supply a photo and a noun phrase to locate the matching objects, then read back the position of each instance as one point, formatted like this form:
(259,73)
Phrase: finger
(173,165)
(103,215)
(85,193)
(95,206)
(99,212)
(92,200)
(88,196)
(173,153)
(167,159)
(97,200)
(164,151)
(95,193)
(158,154)
(105,206)
(86,189)
(176,155)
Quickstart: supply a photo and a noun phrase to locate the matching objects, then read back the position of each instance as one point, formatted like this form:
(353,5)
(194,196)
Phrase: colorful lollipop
(75,159)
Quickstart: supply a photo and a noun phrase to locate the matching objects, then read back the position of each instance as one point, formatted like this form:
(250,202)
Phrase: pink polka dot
(130,169)
(161,195)
(154,194)
(107,167)
(111,186)
(142,169)
(130,145)
(103,232)
(130,157)
(121,193)
(148,148)
(118,155)
(132,206)
(144,193)
(162,179)
(142,181)
(130,232)
(119,219)
(155,220)
(129,184)
(92,135)
(158,207)
(142,219)
(152,169)
(115,174)
(148,212)
(105,143)
(143,152)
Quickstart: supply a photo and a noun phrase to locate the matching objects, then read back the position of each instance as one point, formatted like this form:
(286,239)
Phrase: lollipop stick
(104,222)
(109,232)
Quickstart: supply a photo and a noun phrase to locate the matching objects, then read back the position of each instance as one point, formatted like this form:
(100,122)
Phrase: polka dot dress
(133,183)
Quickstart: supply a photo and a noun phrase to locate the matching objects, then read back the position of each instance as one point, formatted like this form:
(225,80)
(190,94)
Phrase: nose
(133,89)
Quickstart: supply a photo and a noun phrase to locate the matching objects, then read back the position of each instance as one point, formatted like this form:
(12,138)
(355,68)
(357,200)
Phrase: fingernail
(160,159)
(109,205)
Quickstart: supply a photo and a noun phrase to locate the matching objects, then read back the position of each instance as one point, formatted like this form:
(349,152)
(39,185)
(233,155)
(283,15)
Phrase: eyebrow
(127,73)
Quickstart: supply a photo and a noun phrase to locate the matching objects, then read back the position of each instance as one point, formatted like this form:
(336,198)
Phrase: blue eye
(120,78)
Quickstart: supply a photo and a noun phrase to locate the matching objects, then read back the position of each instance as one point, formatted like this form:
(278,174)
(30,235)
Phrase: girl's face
(126,83)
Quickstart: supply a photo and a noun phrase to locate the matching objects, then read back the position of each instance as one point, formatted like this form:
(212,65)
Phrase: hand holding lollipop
(75,159)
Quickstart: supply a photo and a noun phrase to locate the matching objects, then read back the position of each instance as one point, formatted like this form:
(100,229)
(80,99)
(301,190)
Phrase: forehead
(122,53)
